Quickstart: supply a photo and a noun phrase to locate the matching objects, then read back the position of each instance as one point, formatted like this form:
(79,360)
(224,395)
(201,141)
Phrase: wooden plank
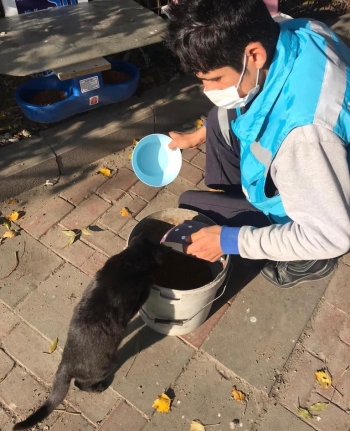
(58,37)
(83,68)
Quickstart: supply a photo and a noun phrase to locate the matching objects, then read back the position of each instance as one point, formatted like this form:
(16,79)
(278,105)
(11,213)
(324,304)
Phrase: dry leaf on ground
(86,231)
(14,216)
(323,378)
(105,172)
(238,395)
(69,232)
(6,223)
(162,403)
(53,345)
(12,202)
(124,212)
(10,234)
(318,407)
(304,413)
(197,425)
(134,143)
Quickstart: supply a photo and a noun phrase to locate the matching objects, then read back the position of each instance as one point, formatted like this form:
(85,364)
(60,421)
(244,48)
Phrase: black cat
(113,297)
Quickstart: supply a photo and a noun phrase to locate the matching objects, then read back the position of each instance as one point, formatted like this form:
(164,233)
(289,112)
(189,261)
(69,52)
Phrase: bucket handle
(182,322)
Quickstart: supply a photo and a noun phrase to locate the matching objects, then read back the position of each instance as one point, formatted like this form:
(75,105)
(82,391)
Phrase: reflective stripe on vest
(308,83)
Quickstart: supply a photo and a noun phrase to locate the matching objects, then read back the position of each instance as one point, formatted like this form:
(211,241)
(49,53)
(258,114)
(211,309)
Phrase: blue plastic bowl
(154,163)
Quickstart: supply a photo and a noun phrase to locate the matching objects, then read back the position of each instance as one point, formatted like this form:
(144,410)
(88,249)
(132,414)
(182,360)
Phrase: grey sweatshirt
(311,174)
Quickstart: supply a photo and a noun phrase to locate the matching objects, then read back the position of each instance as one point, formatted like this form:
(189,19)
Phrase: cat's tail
(59,391)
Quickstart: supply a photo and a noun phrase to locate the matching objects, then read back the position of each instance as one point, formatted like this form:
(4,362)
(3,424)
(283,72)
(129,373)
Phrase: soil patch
(114,77)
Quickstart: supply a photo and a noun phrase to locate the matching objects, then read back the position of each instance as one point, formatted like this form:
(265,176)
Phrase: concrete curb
(67,147)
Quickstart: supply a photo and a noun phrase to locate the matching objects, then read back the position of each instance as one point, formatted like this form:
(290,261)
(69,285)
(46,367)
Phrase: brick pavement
(271,358)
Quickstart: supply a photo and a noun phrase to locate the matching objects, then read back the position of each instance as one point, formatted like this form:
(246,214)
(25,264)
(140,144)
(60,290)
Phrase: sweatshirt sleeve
(311,174)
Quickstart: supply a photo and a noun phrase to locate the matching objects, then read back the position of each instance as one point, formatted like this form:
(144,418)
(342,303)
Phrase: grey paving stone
(6,364)
(50,307)
(21,393)
(114,220)
(28,347)
(157,365)
(124,418)
(179,186)
(77,253)
(346,259)
(280,419)
(333,418)
(96,407)
(126,230)
(338,292)
(162,201)
(4,419)
(106,241)
(72,423)
(298,380)
(8,319)
(201,392)
(259,331)
(35,265)
(323,340)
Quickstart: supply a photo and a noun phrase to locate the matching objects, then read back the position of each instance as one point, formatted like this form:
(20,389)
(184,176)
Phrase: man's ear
(257,54)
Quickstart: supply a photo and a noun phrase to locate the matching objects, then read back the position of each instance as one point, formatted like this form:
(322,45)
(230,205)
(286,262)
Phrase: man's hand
(205,244)
(188,140)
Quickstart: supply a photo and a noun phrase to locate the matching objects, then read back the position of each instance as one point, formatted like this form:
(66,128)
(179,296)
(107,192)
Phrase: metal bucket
(172,311)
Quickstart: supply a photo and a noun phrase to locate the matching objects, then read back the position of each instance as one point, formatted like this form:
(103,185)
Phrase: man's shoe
(289,274)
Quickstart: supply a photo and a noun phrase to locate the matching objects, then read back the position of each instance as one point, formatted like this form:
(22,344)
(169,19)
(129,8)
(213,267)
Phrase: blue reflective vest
(308,82)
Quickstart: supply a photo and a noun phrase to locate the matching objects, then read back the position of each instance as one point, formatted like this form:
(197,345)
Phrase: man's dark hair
(210,34)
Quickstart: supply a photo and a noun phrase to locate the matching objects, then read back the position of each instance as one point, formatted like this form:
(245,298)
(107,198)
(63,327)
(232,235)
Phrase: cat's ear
(138,239)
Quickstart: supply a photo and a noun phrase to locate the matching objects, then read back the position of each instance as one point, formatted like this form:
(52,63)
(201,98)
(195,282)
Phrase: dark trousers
(222,172)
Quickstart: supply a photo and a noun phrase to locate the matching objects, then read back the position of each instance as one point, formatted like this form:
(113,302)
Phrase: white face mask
(229,98)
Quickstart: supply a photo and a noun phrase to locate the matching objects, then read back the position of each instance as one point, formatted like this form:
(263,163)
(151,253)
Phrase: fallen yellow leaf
(197,425)
(14,216)
(323,378)
(10,234)
(12,202)
(69,232)
(7,223)
(162,403)
(134,143)
(86,231)
(318,407)
(105,172)
(71,241)
(124,212)
(238,395)
(304,413)
(53,345)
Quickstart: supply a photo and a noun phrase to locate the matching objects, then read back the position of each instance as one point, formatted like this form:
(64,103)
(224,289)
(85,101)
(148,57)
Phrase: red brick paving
(145,192)
(86,213)
(77,253)
(191,173)
(83,188)
(47,217)
(112,189)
